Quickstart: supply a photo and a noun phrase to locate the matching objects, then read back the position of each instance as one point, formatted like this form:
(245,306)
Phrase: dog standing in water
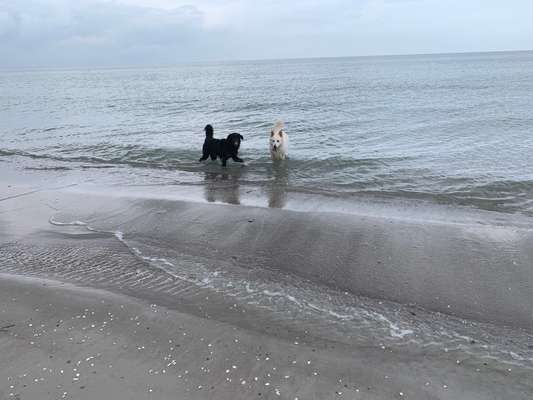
(279,142)
(221,148)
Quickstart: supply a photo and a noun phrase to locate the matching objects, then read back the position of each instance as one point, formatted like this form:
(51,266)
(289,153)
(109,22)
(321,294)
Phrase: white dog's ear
(281,133)
(271,133)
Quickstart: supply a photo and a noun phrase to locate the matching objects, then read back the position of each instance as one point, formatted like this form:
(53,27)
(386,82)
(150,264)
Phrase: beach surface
(64,341)
(157,297)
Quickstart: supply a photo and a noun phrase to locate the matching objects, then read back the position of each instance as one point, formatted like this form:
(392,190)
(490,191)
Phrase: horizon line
(243,60)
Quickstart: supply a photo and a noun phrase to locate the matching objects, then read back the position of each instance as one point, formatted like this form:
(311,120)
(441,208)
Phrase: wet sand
(478,269)
(147,320)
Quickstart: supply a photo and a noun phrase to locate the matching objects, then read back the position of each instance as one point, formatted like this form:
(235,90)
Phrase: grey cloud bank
(36,33)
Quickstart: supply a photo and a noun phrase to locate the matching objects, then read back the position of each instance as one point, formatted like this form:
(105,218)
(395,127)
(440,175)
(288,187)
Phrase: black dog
(223,148)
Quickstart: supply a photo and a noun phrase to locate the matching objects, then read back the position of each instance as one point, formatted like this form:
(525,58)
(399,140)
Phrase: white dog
(279,142)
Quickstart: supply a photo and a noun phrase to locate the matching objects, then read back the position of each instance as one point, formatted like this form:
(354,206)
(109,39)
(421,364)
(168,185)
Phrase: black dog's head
(209,131)
(234,140)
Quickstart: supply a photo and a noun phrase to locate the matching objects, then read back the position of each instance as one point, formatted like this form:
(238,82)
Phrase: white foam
(284,295)
(395,330)
(72,223)
(330,312)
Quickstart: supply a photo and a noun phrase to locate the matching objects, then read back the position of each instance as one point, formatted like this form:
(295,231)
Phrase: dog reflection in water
(222,187)
(276,189)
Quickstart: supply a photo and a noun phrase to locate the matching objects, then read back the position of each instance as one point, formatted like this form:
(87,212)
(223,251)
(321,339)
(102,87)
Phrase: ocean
(452,129)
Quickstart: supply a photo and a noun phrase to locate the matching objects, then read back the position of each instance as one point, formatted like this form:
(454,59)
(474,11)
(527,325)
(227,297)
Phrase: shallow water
(450,129)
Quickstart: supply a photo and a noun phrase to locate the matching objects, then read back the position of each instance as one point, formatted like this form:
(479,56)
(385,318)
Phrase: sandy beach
(159,298)
(63,341)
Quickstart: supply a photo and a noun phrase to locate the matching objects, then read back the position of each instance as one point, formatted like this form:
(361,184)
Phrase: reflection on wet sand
(223,186)
(277,187)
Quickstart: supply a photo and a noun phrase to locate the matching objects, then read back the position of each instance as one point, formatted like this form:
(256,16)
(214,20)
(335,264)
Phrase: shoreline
(465,269)
(237,185)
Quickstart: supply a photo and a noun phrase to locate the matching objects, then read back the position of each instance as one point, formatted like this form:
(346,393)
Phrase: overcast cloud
(160,32)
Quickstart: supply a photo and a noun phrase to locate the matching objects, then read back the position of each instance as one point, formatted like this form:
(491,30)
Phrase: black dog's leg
(237,159)
(224,159)
(205,153)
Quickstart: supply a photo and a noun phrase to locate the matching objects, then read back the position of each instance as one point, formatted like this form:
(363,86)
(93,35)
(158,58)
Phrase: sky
(77,33)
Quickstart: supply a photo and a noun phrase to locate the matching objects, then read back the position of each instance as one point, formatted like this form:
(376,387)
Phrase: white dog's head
(277,137)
